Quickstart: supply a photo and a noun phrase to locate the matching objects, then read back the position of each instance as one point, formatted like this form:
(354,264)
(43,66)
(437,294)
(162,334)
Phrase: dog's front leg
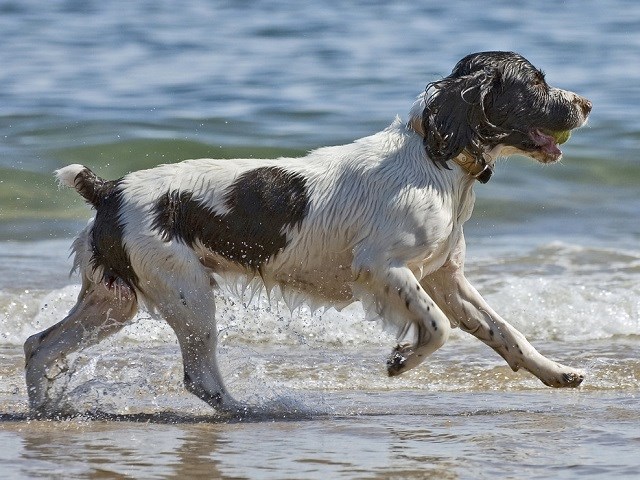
(466,308)
(403,302)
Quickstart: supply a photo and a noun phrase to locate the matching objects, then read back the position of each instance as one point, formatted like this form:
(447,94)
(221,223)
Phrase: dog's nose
(586,106)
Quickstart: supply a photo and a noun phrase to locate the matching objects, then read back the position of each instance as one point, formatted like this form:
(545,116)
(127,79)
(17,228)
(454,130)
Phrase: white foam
(555,292)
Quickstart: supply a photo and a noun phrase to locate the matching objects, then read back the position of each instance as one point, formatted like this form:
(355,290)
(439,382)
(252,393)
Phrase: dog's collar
(481,171)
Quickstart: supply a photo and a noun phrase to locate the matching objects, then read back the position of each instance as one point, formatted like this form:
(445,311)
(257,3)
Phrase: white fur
(66,176)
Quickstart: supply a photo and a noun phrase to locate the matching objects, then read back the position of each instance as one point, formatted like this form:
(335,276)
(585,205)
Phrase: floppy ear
(454,117)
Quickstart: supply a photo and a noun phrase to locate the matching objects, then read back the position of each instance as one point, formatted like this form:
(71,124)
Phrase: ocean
(120,86)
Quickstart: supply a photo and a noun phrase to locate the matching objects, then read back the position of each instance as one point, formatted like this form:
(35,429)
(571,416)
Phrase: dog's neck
(480,170)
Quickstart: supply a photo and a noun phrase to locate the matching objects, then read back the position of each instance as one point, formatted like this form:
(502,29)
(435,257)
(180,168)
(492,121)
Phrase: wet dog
(378,220)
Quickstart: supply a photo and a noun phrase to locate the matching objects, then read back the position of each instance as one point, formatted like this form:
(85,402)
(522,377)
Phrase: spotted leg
(465,307)
(402,301)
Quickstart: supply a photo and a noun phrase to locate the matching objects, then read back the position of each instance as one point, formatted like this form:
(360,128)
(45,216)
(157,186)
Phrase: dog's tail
(84,181)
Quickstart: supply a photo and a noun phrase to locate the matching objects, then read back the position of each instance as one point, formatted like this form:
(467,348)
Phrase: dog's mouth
(547,143)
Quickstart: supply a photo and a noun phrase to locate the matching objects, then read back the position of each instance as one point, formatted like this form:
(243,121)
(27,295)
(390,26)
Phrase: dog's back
(295,223)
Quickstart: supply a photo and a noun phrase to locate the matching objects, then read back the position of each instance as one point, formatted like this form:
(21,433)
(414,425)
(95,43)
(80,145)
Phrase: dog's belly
(331,285)
(327,280)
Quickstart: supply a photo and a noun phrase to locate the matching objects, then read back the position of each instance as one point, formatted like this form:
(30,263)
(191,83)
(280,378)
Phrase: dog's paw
(571,379)
(397,361)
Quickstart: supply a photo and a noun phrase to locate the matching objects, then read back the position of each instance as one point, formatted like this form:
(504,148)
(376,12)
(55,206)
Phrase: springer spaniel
(378,220)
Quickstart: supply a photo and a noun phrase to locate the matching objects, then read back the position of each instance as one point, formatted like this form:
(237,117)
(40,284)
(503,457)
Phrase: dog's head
(496,99)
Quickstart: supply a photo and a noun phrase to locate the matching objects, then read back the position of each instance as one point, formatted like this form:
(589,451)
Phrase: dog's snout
(586,106)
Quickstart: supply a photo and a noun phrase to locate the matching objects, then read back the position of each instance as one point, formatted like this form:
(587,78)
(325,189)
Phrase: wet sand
(401,434)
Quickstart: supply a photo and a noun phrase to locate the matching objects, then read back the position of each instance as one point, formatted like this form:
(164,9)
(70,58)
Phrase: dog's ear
(454,116)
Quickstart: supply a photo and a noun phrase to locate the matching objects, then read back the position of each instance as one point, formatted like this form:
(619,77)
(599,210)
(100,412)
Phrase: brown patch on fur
(262,204)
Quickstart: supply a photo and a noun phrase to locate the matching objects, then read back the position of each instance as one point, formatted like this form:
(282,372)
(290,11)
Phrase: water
(126,85)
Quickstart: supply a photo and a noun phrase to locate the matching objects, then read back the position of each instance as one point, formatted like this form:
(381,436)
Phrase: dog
(378,220)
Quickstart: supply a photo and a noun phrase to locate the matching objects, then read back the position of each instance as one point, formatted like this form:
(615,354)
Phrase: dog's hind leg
(102,309)
(402,301)
(189,309)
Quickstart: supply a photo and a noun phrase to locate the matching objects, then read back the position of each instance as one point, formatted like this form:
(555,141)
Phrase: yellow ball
(561,136)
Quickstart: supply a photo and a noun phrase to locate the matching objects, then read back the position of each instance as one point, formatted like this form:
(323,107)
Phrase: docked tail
(84,181)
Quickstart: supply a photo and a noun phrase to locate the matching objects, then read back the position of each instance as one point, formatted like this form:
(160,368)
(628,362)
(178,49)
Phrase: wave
(555,291)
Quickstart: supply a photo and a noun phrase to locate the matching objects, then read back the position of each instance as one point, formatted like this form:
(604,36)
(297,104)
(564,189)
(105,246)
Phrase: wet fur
(378,220)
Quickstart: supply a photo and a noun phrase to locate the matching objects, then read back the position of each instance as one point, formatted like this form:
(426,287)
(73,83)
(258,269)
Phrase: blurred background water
(123,85)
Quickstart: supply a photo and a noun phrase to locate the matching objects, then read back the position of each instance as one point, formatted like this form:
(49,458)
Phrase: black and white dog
(378,220)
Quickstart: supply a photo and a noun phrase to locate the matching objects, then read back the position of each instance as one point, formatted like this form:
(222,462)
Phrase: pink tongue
(546,142)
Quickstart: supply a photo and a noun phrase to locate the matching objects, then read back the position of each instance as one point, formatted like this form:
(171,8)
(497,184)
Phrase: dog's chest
(437,233)
(435,256)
